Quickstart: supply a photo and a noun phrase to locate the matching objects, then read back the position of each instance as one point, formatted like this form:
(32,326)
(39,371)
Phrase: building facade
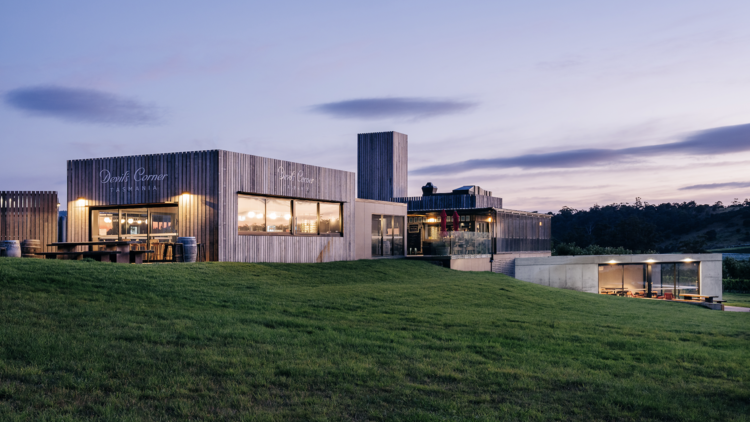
(240,207)
(664,276)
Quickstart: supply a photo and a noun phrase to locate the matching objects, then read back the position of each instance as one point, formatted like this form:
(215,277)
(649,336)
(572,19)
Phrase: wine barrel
(30,248)
(189,248)
(12,248)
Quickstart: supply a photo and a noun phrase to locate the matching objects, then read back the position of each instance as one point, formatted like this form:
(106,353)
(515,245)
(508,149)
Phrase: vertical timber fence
(29,215)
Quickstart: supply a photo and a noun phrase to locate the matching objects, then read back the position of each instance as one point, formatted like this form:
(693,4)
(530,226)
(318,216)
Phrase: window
(278,215)
(252,213)
(149,227)
(281,216)
(653,280)
(330,218)
(387,235)
(306,217)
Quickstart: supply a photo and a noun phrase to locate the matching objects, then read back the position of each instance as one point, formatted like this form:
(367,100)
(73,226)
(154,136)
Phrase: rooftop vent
(429,189)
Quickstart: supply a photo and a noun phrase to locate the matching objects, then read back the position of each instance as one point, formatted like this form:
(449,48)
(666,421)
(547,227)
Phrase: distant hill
(668,227)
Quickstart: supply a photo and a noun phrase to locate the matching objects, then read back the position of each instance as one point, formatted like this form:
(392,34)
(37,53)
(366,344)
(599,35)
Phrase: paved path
(735,309)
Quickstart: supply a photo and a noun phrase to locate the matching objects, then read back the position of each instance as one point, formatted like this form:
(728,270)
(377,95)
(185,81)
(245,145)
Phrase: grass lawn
(365,340)
(737,299)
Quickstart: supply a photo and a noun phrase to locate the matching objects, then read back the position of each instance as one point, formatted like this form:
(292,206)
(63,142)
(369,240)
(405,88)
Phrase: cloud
(730,185)
(384,108)
(82,105)
(561,63)
(723,140)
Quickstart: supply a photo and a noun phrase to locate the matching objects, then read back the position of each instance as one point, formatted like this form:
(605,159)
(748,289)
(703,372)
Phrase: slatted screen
(29,215)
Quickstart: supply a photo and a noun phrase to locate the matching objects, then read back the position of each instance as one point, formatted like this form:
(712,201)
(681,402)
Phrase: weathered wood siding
(262,176)
(449,202)
(382,165)
(519,231)
(193,172)
(29,215)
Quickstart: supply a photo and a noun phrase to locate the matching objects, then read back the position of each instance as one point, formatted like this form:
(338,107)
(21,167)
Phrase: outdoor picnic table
(709,299)
(113,251)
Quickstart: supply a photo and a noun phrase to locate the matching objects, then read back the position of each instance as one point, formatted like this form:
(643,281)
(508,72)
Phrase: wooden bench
(101,256)
(706,298)
(136,257)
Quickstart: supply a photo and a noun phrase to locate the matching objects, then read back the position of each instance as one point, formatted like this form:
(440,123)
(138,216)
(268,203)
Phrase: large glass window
(278,215)
(150,227)
(330,218)
(610,279)
(264,215)
(252,214)
(306,217)
(663,281)
(387,235)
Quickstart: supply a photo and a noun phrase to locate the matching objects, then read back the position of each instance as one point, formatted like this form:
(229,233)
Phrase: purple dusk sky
(545,103)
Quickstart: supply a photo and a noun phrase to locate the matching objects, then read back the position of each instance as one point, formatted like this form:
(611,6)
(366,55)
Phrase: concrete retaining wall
(505,262)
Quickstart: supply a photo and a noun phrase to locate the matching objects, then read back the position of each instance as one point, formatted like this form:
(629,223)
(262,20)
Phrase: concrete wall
(471,264)
(505,262)
(582,272)
(363,212)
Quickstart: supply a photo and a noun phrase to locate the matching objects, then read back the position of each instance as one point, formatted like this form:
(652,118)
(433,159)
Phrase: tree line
(642,227)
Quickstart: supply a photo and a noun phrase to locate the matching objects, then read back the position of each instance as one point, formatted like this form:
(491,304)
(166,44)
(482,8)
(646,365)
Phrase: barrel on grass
(189,248)
(12,248)
(30,248)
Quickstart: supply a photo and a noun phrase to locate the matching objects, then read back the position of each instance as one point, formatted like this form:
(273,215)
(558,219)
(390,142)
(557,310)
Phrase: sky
(545,103)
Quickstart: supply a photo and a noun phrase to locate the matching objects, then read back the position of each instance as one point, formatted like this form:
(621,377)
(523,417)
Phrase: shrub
(567,249)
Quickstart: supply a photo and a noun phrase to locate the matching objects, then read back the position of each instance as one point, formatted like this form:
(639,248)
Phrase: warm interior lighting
(58,205)
(259,216)
(489,219)
(130,221)
(139,221)
(430,220)
(287,216)
(242,218)
(251,214)
(611,261)
(688,260)
(107,220)
(272,216)
(81,202)
(185,193)
(650,260)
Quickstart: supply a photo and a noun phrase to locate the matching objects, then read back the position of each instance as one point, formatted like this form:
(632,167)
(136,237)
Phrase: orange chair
(668,296)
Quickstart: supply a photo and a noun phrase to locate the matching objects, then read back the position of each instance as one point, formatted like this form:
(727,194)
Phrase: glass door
(149,227)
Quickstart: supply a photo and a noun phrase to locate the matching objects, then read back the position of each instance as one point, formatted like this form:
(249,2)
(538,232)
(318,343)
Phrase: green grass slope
(366,340)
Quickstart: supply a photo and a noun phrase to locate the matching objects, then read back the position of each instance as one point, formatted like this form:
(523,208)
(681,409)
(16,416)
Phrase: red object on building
(456,221)
(443,221)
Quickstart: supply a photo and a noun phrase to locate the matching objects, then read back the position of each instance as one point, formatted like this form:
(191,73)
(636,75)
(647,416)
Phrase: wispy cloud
(82,105)
(560,63)
(384,108)
(723,140)
(729,185)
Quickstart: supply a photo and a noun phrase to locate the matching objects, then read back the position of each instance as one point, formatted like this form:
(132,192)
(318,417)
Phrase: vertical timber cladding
(120,181)
(242,173)
(382,165)
(29,215)
(519,231)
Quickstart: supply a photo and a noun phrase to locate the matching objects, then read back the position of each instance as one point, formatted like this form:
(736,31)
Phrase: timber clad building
(242,207)
(245,208)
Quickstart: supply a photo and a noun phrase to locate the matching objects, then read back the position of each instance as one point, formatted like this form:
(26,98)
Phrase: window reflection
(306,217)
(251,214)
(278,215)
(662,281)
(330,218)
(258,215)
